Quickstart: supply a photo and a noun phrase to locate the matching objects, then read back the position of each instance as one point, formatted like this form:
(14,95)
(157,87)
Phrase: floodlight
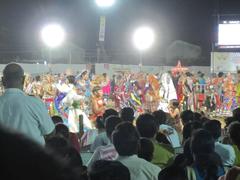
(143,38)
(53,35)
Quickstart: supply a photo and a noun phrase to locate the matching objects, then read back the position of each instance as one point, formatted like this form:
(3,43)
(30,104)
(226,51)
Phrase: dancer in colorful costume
(238,88)
(167,91)
(73,103)
(152,97)
(229,101)
(98,104)
(49,93)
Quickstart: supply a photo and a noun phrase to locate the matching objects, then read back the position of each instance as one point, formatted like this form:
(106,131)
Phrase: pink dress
(107,89)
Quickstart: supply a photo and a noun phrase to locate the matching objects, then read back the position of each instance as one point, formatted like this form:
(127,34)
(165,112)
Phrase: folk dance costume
(152,97)
(238,88)
(97,102)
(229,101)
(167,91)
(48,98)
(72,102)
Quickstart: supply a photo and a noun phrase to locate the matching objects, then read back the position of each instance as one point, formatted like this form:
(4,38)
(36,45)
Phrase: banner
(102,28)
(225,62)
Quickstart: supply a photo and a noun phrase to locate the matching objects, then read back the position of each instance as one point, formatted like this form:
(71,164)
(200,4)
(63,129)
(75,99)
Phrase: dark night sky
(187,20)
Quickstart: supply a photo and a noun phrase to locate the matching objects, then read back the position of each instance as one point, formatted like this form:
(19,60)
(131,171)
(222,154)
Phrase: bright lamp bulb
(53,35)
(105,3)
(143,38)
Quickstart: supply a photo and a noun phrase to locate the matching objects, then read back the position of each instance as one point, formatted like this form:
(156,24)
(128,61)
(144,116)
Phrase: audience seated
(107,152)
(102,139)
(169,131)
(226,152)
(62,130)
(23,159)
(146,149)
(57,120)
(109,170)
(147,127)
(173,172)
(189,128)
(126,141)
(236,114)
(67,153)
(187,116)
(184,159)
(162,138)
(234,132)
(127,114)
(206,163)
(232,174)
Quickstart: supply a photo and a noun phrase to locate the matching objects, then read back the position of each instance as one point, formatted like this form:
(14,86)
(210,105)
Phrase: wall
(101,68)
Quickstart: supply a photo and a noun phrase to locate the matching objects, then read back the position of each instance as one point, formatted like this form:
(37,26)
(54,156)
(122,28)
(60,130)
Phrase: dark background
(191,21)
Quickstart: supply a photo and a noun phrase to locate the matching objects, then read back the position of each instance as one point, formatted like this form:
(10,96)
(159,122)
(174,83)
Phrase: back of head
(173,172)
(13,76)
(202,142)
(160,117)
(189,128)
(71,79)
(162,138)
(100,123)
(109,170)
(58,145)
(108,113)
(229,120)
(197,117)
(61,147)
(74,158)
(111,123)
(127,114)
(146,149)
(146,125)
(126,139)
(214,127)
(234,131)
(23,159)
(57,119)
(207,161)
(236,114)
(187,116)
(62,130)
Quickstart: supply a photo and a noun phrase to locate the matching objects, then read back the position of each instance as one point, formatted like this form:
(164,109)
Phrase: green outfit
(163,154)
(237,152)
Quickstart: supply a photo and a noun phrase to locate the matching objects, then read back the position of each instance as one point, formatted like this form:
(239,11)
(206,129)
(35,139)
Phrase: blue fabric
(201,176)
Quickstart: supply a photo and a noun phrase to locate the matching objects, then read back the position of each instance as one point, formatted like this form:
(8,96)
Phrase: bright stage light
(53,35)
(105,3)
(143,38)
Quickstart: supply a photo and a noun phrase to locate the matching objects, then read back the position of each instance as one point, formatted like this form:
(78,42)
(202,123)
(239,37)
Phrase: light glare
(105,3)
(53,35)
(143,38)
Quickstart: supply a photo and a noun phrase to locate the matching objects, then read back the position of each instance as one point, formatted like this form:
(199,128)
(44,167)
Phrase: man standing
(20,112)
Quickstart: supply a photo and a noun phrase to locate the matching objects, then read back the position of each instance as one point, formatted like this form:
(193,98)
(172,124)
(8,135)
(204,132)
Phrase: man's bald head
(13,76)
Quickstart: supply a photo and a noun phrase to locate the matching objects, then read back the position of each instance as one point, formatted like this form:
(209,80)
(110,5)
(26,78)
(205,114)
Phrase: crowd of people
(129,135)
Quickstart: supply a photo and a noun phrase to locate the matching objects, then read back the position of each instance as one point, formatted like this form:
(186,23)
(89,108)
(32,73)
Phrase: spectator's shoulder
(34,99)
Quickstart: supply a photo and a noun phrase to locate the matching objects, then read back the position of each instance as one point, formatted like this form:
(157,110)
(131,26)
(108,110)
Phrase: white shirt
(140,169)
(226,152)
(107,152)
(173,136)
(100,140)
(25,114)
(73,114)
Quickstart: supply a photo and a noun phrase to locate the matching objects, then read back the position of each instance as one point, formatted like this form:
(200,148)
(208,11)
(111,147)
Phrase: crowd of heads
(142,136)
